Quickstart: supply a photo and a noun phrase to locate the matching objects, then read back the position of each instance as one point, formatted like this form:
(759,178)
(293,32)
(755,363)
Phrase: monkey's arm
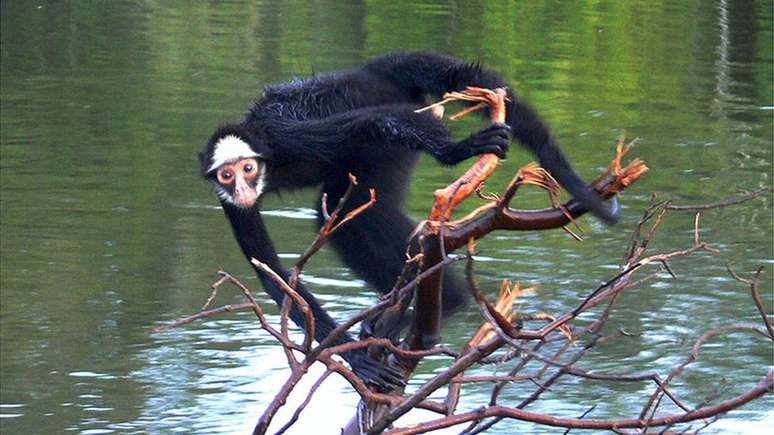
(255,242)
(350,134)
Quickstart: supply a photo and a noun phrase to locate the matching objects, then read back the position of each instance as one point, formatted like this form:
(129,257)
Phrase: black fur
(314,132)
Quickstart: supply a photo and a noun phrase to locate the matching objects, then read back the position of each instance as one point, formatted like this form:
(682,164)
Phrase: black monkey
(315,132)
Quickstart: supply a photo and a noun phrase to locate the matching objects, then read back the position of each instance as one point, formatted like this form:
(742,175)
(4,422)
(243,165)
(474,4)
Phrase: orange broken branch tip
(448,198)
(502,311)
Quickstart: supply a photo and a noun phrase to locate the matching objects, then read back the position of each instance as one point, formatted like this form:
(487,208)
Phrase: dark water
(107,231)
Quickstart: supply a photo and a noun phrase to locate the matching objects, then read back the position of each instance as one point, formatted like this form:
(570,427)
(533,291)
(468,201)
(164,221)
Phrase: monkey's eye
(225,176)
(248,168)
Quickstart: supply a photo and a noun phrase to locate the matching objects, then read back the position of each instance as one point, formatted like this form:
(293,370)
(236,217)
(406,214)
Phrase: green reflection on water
(107,230)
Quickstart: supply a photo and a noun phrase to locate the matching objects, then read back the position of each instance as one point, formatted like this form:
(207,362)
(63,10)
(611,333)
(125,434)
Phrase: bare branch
(306,401)
(331,225)
(756,295)
(765,386)
(297,299)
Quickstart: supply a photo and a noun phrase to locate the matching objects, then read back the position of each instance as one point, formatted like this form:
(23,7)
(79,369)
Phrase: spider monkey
(314,132)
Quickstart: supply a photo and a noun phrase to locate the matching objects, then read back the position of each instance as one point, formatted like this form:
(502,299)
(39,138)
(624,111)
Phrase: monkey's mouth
(246,201)
(245,193)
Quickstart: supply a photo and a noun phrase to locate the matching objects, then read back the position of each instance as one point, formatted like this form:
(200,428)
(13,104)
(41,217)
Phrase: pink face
(243,176)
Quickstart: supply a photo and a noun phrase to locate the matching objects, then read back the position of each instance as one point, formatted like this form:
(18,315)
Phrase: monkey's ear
(204,163)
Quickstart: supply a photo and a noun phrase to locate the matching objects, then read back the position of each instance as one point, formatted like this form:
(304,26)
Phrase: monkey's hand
(375,373)
(494,139)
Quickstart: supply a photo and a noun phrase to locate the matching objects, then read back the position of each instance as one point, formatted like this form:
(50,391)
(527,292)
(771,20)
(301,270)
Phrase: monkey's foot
(375,373)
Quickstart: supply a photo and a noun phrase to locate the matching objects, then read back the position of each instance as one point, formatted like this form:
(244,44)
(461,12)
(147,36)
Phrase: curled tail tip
(588,197)
(609,216)
(615,210)
(592,202)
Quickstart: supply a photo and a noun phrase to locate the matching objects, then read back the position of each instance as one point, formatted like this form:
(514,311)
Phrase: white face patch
(224,195)
(228,149)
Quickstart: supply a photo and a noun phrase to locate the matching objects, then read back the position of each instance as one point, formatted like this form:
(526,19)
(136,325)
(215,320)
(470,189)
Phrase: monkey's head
(234,162)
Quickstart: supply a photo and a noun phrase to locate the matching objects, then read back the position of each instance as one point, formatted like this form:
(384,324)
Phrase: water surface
(107,230)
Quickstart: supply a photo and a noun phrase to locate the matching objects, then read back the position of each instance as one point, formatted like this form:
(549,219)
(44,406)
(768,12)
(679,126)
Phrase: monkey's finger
(496,137)
(498,130)
(492,140)
(492,149)
(501,126)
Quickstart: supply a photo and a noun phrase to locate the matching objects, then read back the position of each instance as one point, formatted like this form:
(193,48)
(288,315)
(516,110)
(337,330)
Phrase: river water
(107,230)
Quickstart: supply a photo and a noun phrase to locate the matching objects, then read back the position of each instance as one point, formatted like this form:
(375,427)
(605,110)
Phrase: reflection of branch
(720,204)
(694,355)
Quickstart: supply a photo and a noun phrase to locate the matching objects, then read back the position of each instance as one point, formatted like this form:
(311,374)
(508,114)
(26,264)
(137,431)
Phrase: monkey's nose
(245,195)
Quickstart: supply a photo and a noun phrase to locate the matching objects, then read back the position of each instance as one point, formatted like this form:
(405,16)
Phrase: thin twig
(202,314)
(582,416)
(330,225)
(756,295)
(215,286)
(306,401)
(309,323)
